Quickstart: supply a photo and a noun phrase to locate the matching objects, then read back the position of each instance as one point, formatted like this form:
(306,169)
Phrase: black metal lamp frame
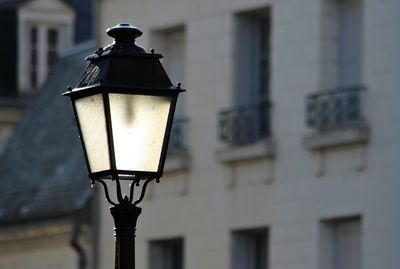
(125,68)
(114,173)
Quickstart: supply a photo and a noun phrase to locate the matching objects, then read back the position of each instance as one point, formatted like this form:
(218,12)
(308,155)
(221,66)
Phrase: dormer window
(44,31)
(44,51)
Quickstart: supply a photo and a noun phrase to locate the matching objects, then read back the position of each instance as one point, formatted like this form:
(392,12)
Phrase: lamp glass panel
(90,112)
(139,123)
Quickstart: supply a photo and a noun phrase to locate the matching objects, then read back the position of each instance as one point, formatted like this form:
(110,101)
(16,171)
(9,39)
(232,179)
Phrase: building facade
(47,209)
(35,34)
(287,145)
(39,30)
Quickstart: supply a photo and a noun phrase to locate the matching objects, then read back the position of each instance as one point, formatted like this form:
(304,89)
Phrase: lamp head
(124,107)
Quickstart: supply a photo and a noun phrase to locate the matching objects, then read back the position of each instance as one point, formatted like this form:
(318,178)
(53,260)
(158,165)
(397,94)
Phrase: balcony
(177,156)
(177,141)
(245,133)
(245,125)
(337,118)
(335,109)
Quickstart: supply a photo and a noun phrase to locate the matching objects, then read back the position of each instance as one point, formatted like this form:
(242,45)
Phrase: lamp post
(124,107)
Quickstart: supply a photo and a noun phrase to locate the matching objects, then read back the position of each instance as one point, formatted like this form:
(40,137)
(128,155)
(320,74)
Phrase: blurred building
(46,205)
(35,33)
(285,151)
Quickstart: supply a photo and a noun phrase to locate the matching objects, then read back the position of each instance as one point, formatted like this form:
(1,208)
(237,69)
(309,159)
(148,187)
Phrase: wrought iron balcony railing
(245,125)
(335,109)
(177,140)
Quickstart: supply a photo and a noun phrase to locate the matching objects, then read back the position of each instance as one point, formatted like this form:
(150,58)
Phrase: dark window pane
(52,43)
(166,254)
(33,57)
(260,250)
(52,38)
(33,34)
(250,249)
(52,57)
(33,79)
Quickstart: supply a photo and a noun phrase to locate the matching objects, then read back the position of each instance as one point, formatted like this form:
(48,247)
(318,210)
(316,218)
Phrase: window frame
(250,58)
(28,18)
(167,250)
(245,253)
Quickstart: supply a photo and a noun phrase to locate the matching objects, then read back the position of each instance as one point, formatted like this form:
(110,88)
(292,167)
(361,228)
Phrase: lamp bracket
(127,200)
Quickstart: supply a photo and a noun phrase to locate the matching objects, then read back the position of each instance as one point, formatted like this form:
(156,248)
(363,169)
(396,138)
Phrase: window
(340,244)
(349,30)
(339,105)
(171,44)
(342,43)
(249,121)
(44,49)
(43,32)
(166,254)
(250,249)
(253,56)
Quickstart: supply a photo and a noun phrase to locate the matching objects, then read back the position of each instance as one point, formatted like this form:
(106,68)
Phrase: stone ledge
(351,135)
(19,233)
(262,149)
(177,162)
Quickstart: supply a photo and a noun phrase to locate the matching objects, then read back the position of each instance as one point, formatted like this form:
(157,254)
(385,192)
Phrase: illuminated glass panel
(139,123)
(91,117)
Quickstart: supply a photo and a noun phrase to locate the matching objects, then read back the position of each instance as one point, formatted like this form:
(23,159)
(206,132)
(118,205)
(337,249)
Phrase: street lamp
(124,107)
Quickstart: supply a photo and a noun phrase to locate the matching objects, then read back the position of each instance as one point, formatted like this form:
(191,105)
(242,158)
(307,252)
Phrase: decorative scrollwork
(143,191)
(125,199)
(245,125)
(335,109)
(106,191)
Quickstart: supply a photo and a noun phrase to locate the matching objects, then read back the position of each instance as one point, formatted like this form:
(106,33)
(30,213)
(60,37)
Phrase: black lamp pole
(124,107)
(125,214)
(125,217)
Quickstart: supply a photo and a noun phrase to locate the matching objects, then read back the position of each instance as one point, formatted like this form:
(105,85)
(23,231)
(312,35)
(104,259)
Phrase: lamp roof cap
(124,32)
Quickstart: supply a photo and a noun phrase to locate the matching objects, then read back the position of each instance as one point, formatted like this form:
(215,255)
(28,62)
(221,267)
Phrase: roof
(11,3)
(13,102)
(6,4)
(42,168)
